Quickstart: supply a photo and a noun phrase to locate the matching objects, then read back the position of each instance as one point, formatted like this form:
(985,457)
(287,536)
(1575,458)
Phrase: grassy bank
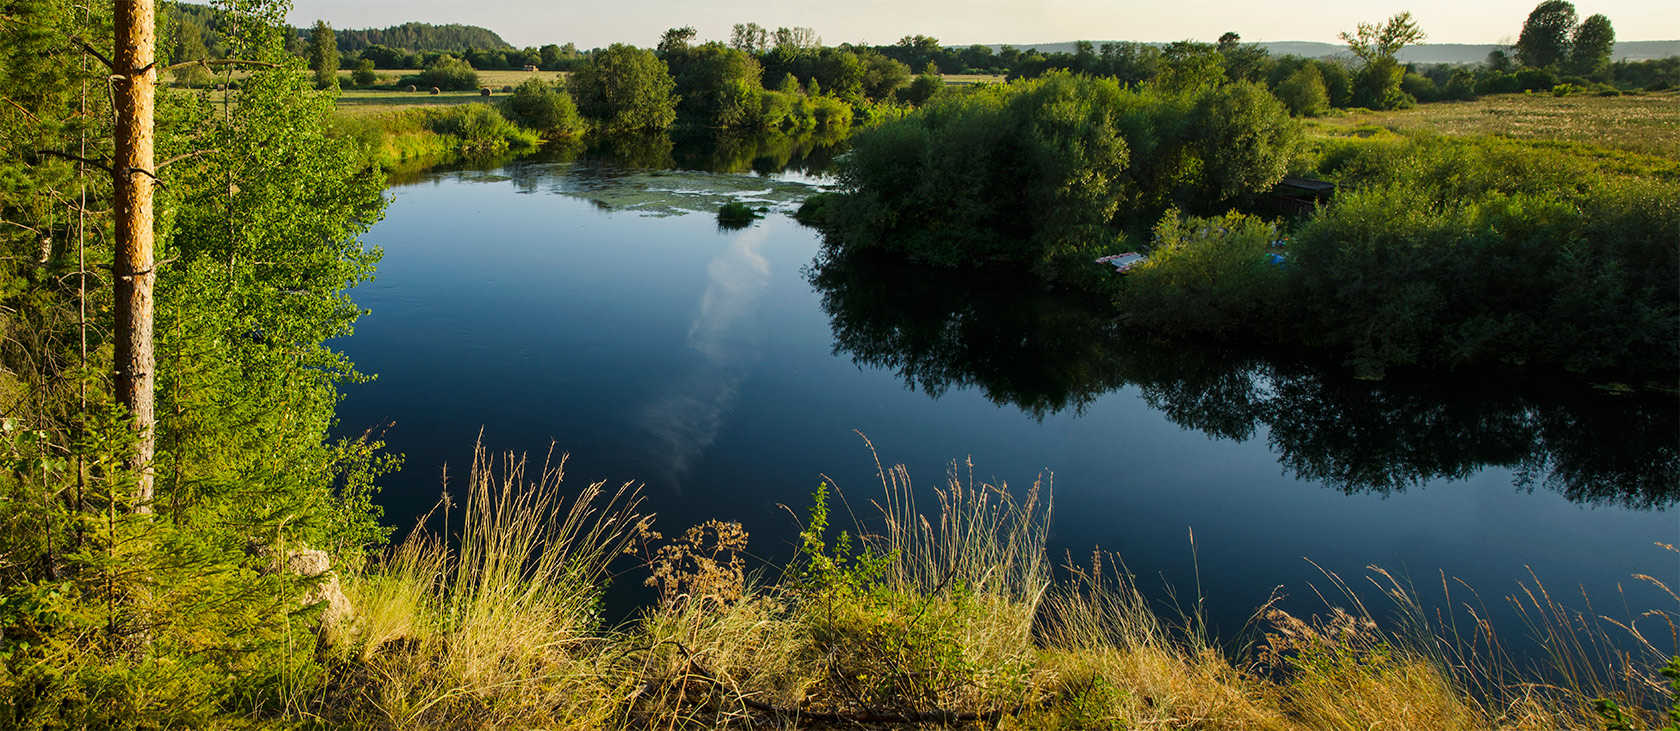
(1506,241)
(395,139)
(944,614)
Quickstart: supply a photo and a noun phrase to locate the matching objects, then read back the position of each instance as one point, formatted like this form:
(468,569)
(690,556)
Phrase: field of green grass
(1648,123)
(972,79)
(367,102)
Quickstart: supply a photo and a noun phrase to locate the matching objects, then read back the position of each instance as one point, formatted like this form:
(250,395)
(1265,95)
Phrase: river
(590,301)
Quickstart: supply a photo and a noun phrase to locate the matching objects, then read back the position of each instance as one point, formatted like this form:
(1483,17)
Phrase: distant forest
(193,31)
(1460,53)
(419,37)
(187,24)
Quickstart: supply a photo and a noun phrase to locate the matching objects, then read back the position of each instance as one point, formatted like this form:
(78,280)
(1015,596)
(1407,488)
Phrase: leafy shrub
(813,211)
(542,106)
(1454,251)
(363,74)
(1497,82)
(1039,172)
(481,129)
(450,74)
(1439,251)
(1304,93)
(1208,275)
(1536,80)
(922,89)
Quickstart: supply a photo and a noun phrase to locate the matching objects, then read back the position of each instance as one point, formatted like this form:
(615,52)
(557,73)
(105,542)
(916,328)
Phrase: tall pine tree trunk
(136,86)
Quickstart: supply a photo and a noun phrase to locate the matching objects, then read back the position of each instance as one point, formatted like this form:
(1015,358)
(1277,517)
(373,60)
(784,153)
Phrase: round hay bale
(484,91)
(409,88)
(507,89)
(435,91)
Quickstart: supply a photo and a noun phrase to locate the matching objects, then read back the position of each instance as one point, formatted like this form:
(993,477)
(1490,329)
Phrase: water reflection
(765,153)
(684,418)
(1026,345)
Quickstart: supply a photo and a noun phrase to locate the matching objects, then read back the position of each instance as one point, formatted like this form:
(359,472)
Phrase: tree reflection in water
(1023,343)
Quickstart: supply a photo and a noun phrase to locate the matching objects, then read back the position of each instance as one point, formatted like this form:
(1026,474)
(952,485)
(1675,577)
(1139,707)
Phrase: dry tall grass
(945,616)
(498,627)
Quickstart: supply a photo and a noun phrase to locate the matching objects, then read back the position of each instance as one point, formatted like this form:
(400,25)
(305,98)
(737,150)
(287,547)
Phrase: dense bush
(363,74)
(450,74)
(542,106)
(1304,93)
(1219,276)
(1443,251)
(1045,170)
(480,129)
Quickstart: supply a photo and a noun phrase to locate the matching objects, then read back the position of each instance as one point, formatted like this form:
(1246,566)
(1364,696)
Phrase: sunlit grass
(972,79)
(1647,123)
(945,615)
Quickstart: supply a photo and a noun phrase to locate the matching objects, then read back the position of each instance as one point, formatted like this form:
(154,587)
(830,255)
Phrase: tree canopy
(625,89)
(1545,38)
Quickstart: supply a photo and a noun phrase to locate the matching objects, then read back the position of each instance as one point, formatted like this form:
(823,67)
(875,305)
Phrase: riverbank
(944,615)
(1503,242)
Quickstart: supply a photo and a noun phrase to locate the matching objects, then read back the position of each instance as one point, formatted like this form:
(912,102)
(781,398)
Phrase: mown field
(1648,123)
(366,102)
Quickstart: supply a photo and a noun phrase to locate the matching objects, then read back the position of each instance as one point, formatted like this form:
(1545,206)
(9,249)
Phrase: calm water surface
(586,302)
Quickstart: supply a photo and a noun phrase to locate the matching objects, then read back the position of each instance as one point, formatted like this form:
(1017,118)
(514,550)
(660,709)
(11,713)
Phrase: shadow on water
(1024,344)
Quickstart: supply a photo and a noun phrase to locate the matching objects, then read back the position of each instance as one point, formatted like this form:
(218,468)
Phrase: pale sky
(963,22)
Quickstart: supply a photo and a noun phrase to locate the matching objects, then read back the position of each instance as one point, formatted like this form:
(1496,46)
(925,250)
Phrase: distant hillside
(1428,53)
(420,37)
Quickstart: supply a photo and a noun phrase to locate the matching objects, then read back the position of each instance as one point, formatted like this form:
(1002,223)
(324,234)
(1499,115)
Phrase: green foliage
(1378,83)
(113,617)
(452,37)
(839,571)
(545,107)
(323,55)
(1189,67)
(1208,275)
(886,649)
(1304,93)
(189,46)
(813,211)
(1544,41)
(363,75)
(736,214)
(1617,720)
(481,129)
(624,89)
(449,73)
(1590,47)
(922,89)
(1039,172)
(1448,251)
(1244,139)
(718,86)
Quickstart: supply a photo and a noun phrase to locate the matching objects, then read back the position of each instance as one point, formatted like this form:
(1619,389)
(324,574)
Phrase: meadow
(1647,123)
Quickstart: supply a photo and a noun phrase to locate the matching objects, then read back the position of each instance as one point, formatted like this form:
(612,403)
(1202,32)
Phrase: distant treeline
(421,37)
